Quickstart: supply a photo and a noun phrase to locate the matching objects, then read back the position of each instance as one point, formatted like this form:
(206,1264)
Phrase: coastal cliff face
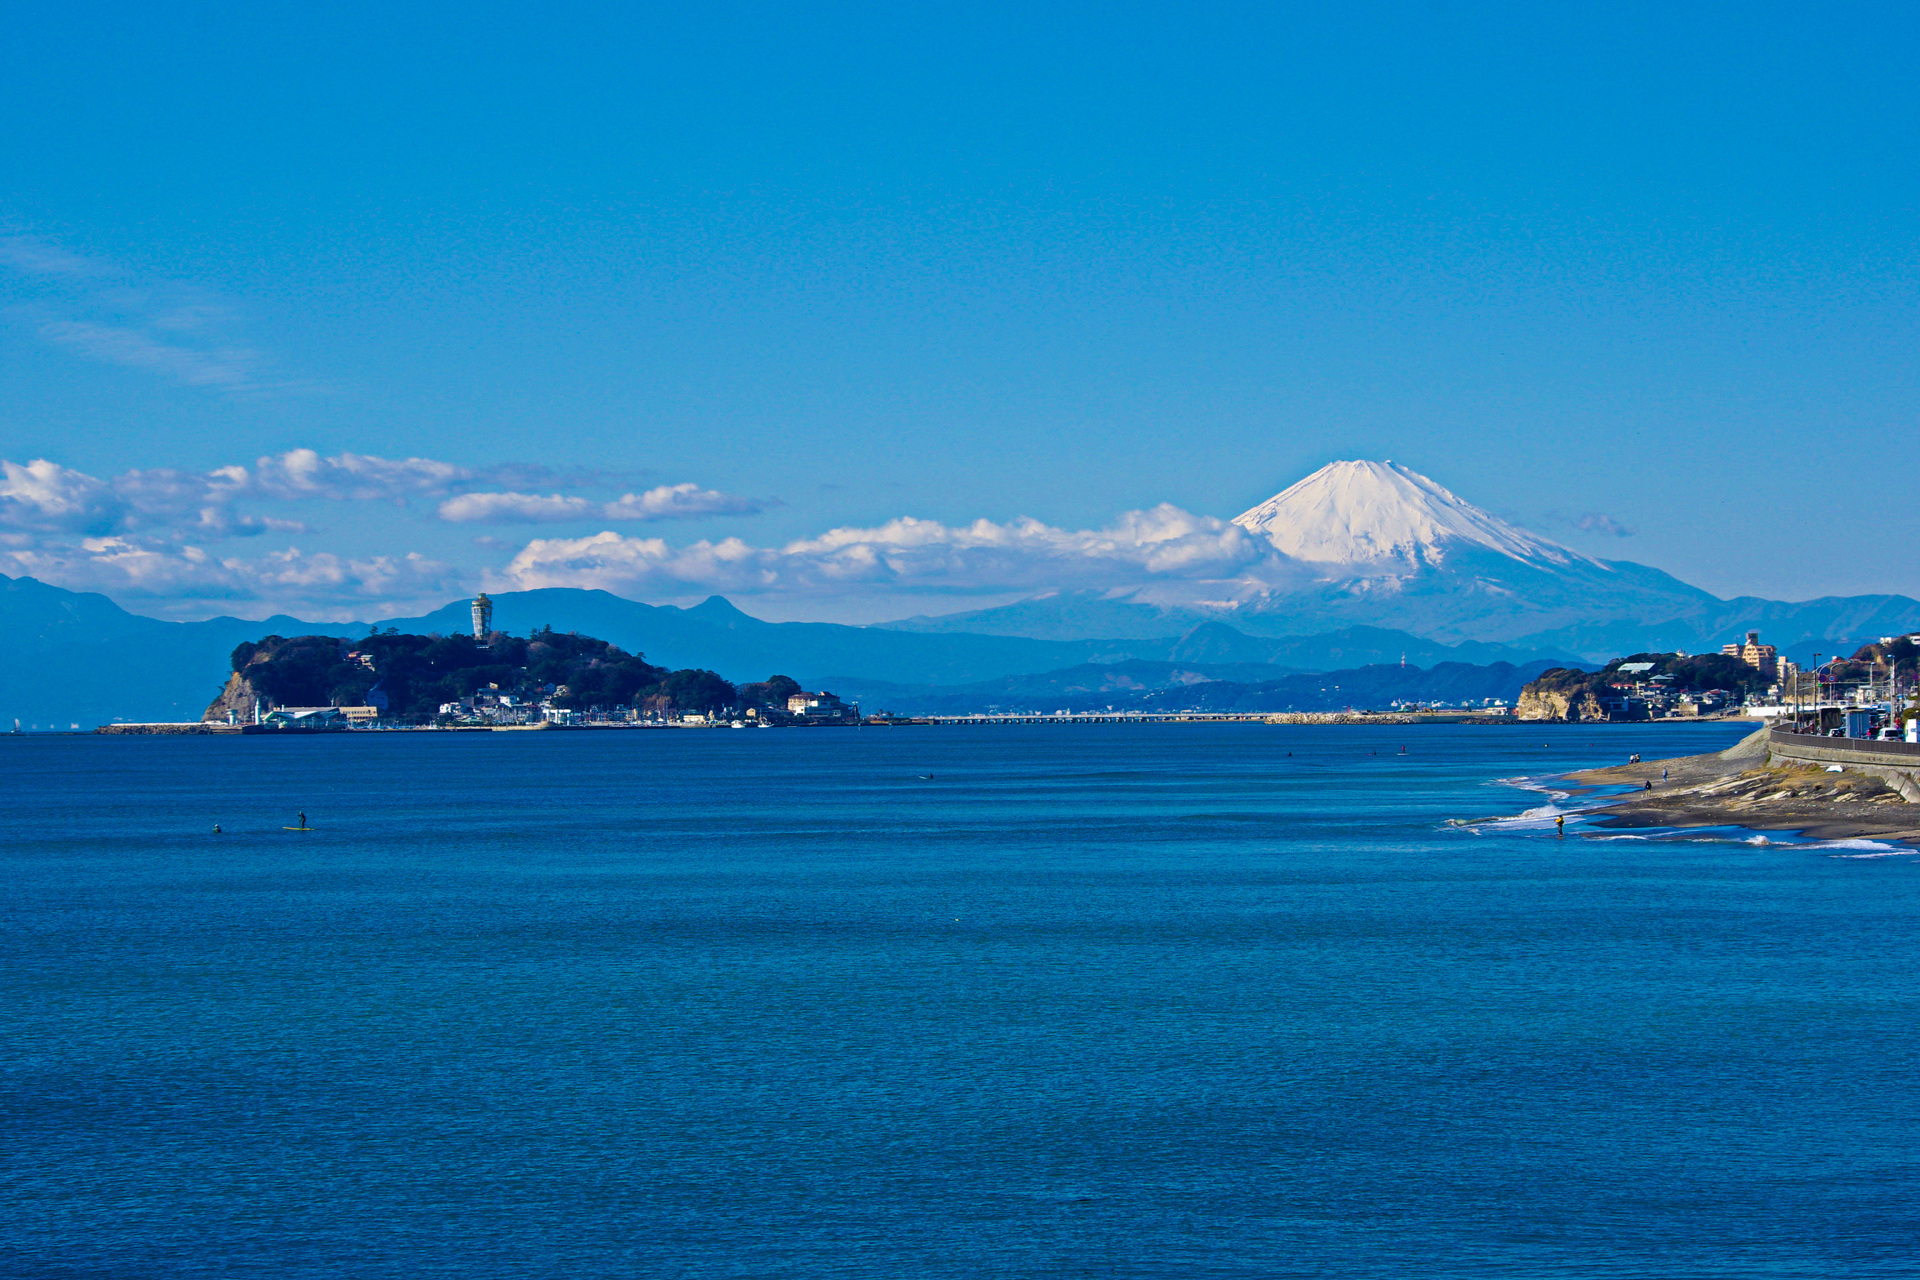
(239,697)
(1556,704)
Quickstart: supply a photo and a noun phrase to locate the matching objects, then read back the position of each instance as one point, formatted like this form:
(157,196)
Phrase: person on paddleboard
(303,822)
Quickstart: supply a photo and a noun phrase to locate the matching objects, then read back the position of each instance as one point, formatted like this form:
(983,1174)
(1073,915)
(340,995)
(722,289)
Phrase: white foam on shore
(1708,835)
(1873,848)
(1563,804)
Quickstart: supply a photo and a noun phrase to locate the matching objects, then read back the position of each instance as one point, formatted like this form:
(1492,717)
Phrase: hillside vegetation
(415,675)
(1563,693)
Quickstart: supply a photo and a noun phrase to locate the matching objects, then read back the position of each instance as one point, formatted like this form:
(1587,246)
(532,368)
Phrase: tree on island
(420,674)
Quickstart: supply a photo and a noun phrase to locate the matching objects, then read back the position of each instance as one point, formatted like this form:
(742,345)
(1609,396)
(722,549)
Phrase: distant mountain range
(1376,544)
(77,658)
(1359,565)
(1172,686)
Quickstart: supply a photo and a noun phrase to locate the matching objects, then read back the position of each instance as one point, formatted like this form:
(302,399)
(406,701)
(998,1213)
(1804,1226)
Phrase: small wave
(1869,848)
(1545,785)
(1781,840)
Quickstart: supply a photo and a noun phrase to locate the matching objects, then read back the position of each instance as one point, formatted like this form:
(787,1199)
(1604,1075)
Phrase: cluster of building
(493,708)
(1833,698)
(1840,696)
(1659,697)
(1837,699)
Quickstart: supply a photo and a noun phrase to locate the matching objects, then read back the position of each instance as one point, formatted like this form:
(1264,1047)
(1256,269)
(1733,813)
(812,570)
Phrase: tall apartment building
(1761,657)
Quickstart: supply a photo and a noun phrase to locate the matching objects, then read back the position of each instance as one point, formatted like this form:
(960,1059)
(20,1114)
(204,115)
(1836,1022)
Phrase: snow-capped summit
(1378,545)
(1381,514)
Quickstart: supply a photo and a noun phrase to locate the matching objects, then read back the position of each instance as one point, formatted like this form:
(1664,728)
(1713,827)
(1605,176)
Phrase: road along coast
(1769,781)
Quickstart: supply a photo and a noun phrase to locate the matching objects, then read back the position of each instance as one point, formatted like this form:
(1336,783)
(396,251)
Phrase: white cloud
(349,477)
(907,554)
(144,534)
(680,502)
(95,308)
(1595,522)
(182,577)
(515,508)
(46,496)
(228,368)
(666,502)
(32,256)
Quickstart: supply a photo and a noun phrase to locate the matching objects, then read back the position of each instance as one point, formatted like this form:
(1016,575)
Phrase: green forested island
(428,679)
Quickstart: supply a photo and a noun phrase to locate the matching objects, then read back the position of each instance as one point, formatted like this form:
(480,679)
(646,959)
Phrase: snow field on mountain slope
(1365,512)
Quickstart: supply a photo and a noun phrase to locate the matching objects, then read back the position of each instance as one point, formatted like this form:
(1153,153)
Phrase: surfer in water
(303,822)
(1560,823)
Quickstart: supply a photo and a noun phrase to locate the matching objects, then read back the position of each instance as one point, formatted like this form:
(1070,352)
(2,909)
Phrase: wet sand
(1737,788)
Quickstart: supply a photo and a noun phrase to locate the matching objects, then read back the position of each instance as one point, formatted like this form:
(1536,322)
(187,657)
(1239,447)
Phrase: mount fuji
(1380,514)
(1378,544)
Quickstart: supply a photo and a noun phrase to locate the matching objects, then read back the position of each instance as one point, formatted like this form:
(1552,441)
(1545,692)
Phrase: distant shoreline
(1330,719)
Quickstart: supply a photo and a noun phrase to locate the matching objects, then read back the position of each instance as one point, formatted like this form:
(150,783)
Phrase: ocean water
(1104,1001)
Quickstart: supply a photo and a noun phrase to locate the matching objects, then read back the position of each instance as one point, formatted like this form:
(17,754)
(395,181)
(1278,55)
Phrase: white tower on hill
(482,616)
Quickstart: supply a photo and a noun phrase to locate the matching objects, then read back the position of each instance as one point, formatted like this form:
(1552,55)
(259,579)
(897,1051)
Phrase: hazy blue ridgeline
(68,657)
(74,657)
(1155,1001)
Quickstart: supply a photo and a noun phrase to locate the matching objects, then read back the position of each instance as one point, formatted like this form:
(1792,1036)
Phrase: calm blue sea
(1110,1001)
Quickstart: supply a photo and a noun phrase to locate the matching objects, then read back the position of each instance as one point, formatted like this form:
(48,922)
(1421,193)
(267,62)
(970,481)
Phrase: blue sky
(1639,277)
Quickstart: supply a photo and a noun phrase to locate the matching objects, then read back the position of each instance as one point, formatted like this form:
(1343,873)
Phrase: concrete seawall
(1895,763)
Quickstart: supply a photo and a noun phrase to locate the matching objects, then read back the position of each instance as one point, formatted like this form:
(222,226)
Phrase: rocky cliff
(1538,703)
(236,702)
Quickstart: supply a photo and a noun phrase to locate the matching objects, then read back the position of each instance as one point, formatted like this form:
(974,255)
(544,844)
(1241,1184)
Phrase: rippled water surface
(1115,1001)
